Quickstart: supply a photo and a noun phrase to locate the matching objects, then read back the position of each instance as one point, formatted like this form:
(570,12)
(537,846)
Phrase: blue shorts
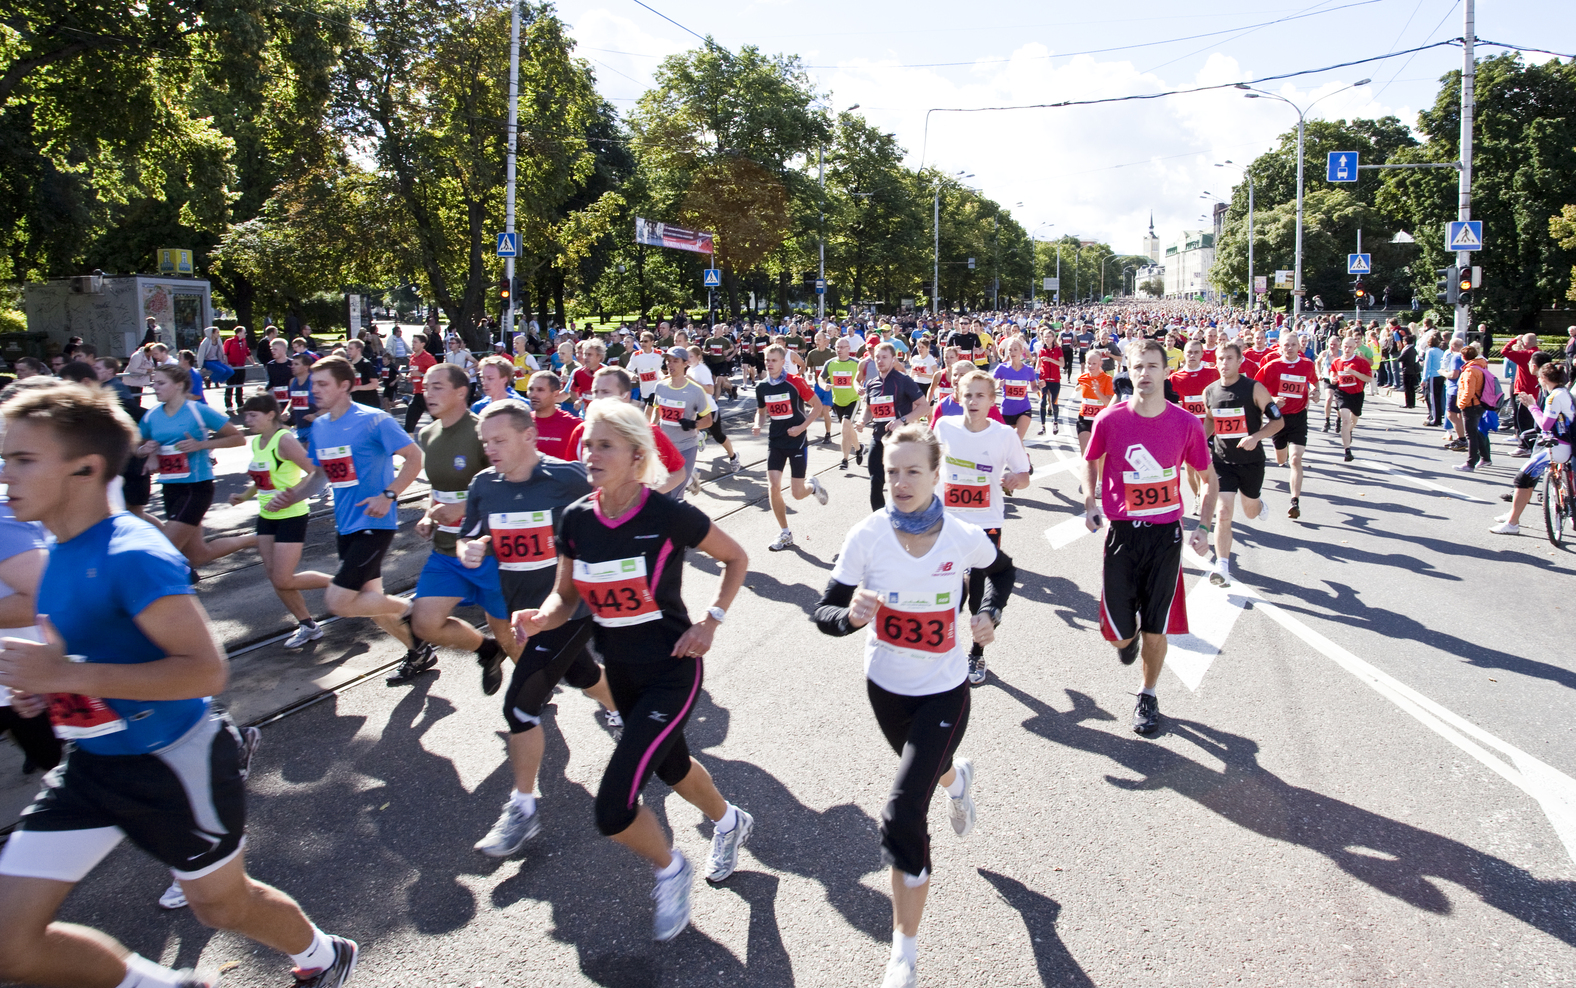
(824,394)
(444,576)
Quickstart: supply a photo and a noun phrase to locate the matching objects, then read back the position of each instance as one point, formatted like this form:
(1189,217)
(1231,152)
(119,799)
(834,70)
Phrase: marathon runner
(839,376)
(279,370)
(614,382)
(892,399)
(813,362)
(496,374)
(701,376)
(163,769)
(554,426)
(1351,374)
(24,552)
(916,674)
(647,365)
(422,358)
(788,405)
(1188,383)
(1144,442)
(680,408)
(1095,391)
(1016,379)
(1053,364)
(1242,414)
(718,353)
(621,550)
(1291,378)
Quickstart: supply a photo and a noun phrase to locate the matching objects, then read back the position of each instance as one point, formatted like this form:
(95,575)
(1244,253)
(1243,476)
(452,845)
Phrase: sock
(309,624)
(787,533)
(143,973)
(956,789)
(524,800)
(316,957)
(905,948)
(729,819)
(673,866)
(1149,691)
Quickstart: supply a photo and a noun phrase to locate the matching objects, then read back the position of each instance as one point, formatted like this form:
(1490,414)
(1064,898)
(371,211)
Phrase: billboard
(667,235)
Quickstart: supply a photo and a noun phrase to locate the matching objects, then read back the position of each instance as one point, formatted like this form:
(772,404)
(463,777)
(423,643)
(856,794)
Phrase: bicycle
(1559,498)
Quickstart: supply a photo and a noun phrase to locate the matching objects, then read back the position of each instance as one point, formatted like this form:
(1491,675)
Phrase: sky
(1097,172)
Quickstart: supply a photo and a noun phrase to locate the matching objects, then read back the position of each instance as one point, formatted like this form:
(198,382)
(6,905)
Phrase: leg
(1154,653)
(1223,512)
(877,476)
(1295,452)
(774,488)
(546,658)
(230,899)
(38,950)
(414,411)
(648,744)
(698,789)
(279,562)
(370,602)
(1348,423)
(848,436)
(433,620)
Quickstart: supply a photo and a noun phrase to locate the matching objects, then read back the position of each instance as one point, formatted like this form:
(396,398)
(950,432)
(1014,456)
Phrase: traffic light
(1465,282)
(1361,292)
(1445,291)
(503,292)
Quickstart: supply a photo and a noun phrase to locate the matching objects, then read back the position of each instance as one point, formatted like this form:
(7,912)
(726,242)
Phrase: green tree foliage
(1563,229)
(1331,218)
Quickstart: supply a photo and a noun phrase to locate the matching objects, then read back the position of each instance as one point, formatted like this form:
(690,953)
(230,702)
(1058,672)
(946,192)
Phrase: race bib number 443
(617,591)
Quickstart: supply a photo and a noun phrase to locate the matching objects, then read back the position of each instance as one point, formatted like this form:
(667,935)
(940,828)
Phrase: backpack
(1493,393)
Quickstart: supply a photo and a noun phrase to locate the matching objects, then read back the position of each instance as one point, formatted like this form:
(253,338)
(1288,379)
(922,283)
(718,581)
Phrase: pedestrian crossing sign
(1464,235)
(1359,264)
(712,278)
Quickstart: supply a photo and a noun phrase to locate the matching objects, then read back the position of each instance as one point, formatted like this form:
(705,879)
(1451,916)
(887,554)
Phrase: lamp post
(1252,297)
(1302,111)
(820,168)
(935,285)
(1034,257)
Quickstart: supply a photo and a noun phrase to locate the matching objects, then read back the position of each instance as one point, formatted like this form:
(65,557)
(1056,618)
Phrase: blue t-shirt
(356,450)
(1432,361)
(1453,363)
(484,401)
(93,587)
(196,384)
(17,537)
(194,420)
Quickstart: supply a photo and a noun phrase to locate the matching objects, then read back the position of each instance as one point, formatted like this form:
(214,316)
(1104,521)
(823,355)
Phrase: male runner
(614,382)
(1351,374)
(646,366)
(892,399)
(553,424)
(789,406)
(717,352)
(1290,378)
(1189,383)
(813,362)
(1242,414)
(1144,441)
(127,668)
(680,408)
(839,376)
(496,375)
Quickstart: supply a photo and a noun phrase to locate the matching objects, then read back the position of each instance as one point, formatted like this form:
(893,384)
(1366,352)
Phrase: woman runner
(1017,380)
(916,673)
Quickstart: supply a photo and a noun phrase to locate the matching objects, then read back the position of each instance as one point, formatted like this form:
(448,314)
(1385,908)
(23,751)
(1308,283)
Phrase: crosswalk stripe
(1211,614)
(1063,534)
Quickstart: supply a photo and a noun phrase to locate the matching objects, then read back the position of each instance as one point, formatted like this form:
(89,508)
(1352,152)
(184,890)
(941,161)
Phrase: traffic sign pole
(514,139)
(1464,179)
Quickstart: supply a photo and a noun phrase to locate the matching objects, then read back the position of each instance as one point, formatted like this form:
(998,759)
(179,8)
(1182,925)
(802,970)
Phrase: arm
(377,505)
(1273,422)
(228,435)
(555,610)
(720,546)
(832,611)
(1092,517)
(21,573)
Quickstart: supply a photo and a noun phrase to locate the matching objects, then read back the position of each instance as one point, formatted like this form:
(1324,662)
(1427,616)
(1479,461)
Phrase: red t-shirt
(1258,356)
(667,452)
(1136,487)
(236,352)
(1342,369)
(553,431)
(1249,368)
(1288,383)
(1191,384)
(1526,382)
(580,384)
(1050,370)
(419,365)
(1209,356)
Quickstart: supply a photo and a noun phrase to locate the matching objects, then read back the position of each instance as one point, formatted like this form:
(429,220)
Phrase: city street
(1364,772)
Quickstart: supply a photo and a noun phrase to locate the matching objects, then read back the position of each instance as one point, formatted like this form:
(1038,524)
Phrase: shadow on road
(1039,911)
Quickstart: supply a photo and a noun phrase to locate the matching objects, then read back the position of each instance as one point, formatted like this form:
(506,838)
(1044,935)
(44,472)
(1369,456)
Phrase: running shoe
(337,973)
(490,657)
(1220,576)
(826,440)
(1146,715)
(1056,427)
(734,466)
(1041,432)
(818,490)
(251,737)
(1506,528)
(784,541)
(1295,511)
(725,848)
(1464,468)
(513,829)
(1506,496)
(415,662)
(900,974)
(960,810)
(1349,456)
(844,464)
(859,454)
(694,485)
(976,669)
(1326,423)
(173,898)
(673,901)
(303,634)
(1129,652)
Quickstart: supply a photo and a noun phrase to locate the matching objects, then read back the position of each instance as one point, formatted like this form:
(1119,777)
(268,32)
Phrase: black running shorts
(1352,402)
(547,658)
(1294,429)
(187,502)
(845,411)
(797,461)
(283,529)
(1143,581)
(361,557)
(1244,478)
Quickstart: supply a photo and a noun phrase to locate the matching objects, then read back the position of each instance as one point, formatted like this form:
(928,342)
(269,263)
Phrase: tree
(1563,228)
(1154,287)
(875,226)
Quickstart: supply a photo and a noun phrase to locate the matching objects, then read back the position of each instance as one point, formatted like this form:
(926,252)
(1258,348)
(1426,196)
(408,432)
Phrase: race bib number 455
(617,591)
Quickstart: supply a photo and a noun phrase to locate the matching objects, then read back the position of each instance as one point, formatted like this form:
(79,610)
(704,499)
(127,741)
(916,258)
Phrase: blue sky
(1092,171)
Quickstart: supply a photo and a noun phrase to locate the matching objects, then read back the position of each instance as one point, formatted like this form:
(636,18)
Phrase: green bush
(12,321)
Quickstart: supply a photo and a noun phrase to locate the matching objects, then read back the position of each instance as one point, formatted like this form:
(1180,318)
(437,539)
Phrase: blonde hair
(920,434)
(632,427)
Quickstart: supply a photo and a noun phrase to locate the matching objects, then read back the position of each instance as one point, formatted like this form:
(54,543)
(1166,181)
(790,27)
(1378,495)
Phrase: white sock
(1149,691)
(318,956)
(905,948)
(729,819)
(673,866)
(143,973)
(956,789)
(524,800)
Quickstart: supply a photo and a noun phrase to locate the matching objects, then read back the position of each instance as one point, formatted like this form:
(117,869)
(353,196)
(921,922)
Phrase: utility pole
(935,285)
(1252,299)
(514,140)
(820,299)
(995,290)
(1464,182)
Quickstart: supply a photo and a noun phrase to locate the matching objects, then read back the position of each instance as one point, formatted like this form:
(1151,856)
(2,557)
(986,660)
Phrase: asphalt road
(1364,774)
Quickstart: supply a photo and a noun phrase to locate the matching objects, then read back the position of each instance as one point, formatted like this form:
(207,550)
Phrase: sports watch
(717,614)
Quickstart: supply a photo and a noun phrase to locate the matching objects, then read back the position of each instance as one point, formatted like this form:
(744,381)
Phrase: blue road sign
(1342,167)
(1359,264)
(711,278)
(820,286)
(1464,235)
(508,245)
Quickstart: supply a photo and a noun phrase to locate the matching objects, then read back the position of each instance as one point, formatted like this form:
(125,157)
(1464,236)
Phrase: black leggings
(977,576)
(414,412)
(877,475)
(1050,392)
(715,429)
(925,731)
(548,657)
(34,736)
(655,700)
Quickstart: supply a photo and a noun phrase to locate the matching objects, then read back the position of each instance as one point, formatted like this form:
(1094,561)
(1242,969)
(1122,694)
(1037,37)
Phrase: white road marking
(1211,614)
(1399,473)
(1065,533)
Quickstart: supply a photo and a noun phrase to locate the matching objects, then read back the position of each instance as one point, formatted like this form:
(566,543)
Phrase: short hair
(518,413)
(86,421)
(189,357)
(112,363)
(1469,351)
(551,378)
(1231,345)
(977,375)
(1137,348)
(339,368)
(631,426)
(33,363)
(301,340)
(304,358)
(916,432)
(504,364)
(622,382)
(596,345)
(777,349)
(263,403)
(176,374)
(79,371)
(454,372)
(888,347)
(278,341)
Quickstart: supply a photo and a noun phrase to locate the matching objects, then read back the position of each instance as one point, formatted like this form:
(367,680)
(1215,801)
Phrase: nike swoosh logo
(945,724)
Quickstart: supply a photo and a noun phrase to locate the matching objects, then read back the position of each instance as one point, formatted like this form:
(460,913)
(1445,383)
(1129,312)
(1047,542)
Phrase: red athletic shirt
(1342,368)
(419,365)
(1050,370)
(1258,356)
(553,431)
(1191,384)
(1209,356)
(580,384)
(666,451)
(1289,383)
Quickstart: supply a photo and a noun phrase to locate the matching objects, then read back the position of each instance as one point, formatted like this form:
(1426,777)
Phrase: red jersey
(419,365)
(236,352)
(1249,368)
(1190,386)
(1209,356)
(1258,356)
(1288,383)
(553,431)
(1342,370)
(580,384)
(668,453)
(1050,370)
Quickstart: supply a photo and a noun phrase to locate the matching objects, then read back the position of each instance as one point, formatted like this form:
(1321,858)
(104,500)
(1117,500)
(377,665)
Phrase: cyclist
(1556,418)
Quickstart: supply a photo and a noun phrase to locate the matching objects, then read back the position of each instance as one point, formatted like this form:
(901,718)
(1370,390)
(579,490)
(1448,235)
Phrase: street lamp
(935,285)
(1302,111)
(820,168)
(1034,257)
(1252,296)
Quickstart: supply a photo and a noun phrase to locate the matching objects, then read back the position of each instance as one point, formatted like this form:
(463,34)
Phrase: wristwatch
(994,613)
(717,614)
(389,493)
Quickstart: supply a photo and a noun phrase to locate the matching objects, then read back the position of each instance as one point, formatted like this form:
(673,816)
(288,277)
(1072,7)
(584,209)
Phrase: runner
(421,360)
(788,405)
(163,769)
(302,406)
(1350,373)
(353,446)
(680,408)
(282,480)
(554,426)
(614,382)
(916,675)
(621,549)
(178,434)
(24,552)
(813,362)
(1053,364)
(701,376)
(647,365)
(1095,391)
(838,374)
(1242,414)
(718,353)
(496,374)
(980,459)
(892,399)
(1290,378)
(1144,442)
(1017,380)
(1189,384)
(279,370)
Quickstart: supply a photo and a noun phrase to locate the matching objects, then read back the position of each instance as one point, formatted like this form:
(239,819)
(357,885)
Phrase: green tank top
(273,473)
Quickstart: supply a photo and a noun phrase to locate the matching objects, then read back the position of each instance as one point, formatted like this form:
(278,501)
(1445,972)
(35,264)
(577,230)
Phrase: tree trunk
(782,292)
(558,298)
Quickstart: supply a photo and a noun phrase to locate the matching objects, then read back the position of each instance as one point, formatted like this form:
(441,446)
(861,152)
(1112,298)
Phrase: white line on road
(1402,474)
(1211,614)
(1065,533)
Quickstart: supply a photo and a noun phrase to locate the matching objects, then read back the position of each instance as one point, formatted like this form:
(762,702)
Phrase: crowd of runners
(558,489)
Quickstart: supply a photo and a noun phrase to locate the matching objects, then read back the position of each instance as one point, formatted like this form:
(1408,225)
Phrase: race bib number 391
(1148,496)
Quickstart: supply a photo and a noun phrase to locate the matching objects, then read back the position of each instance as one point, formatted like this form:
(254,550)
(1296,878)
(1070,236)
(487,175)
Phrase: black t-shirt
(902,389)
(364,371)
(630,572)
(784,409)
(522,519)
(761,343)
(966,343)
(1236,415)
(279,373)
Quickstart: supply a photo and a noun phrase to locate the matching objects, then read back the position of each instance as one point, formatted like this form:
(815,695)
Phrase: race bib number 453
(617,591)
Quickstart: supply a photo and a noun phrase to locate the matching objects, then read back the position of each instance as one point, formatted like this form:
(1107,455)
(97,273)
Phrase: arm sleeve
(999,578)
(211,417)
(831,611)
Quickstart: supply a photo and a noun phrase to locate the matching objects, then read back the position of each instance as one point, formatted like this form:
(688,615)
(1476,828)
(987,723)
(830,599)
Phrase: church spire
(1151,222)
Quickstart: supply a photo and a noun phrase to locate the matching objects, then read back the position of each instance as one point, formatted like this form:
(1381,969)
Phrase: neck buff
(916,522)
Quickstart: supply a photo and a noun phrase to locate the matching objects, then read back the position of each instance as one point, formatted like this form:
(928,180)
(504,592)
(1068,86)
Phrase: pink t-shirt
(1142,479)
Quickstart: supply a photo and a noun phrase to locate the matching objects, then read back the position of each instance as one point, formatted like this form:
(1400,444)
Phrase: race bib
(1154,495)
(1231,422)
(779,407)
(173,464)
(521,372)
(617,592)
(299,401)
(716,349)
(338,466)
(917,625)
(966,489)
(671,409)
(75,716)
(282,394)
(883,408)
(842,379)
(648,377)
(449,497)
(260,475)
(1195,404)
(1292,386)
(1089,409)
(1347,380)
(523,540)
(1015,390)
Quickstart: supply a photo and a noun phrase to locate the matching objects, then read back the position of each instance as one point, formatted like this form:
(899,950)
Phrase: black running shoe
(490,657)
(416,662)
(859,454)
(337,973)
(1349,456)
(1146,715)
(1129,652)
(1295,511)
(845,463)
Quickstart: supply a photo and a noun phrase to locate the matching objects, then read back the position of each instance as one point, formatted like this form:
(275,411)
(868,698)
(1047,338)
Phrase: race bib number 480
(919,625)
(617,591)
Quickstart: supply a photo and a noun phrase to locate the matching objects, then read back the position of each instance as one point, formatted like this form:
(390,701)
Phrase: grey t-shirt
(674,404)
(522,519)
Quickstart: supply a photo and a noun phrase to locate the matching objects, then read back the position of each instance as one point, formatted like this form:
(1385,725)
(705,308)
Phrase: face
(884,361)
(610,460)
(774,364)
(279,351)
(443,398)
(328,390)
(299,366)
(1194,353)
(165,389)
(1288,346)
(495,381)
(507,448)
(105,373)
(566,351)
(911,480)
(844,348)
(977,399)
(56,362)
(1349,347)
(259,421)
(605,387)
(37,469)
(1147,372)
(676,366)
(1230,362)
(541,396)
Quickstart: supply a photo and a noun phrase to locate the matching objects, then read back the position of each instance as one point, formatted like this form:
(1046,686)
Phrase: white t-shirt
(648,368)
(973,465)
(922,369)
(916,644)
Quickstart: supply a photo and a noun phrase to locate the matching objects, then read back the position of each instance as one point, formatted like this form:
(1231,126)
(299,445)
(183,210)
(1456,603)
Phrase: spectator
(1454,361)
(1519,351)
(1433,378)
(1469,398)
(27,367)
(237,355)
(1411,369)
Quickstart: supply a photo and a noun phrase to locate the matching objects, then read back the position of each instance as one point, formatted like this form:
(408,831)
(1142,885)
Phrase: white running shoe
(303,634)
(694,484)
(1220,576)
(900,974)
(173,897)
(961,810)
(725,848)
(1503,517)
(820,492)
(673,901)
(734,466)
(513,829)
(1506,528)
(784,541)
(615,720)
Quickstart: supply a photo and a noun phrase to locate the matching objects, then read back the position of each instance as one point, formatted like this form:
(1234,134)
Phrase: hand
(688,425)
(983,629)
(798,430)
(1092,517)
(284,499)
(376,506)
(473,551)
(697,640)
(862,610)
(236,499)
(755,430)
(527,623)
(36,667)
(148,448)
(1199,542)
(424,527)
(1525,399)
(28,704)
(447,514)
(1251,442)
(189,445)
